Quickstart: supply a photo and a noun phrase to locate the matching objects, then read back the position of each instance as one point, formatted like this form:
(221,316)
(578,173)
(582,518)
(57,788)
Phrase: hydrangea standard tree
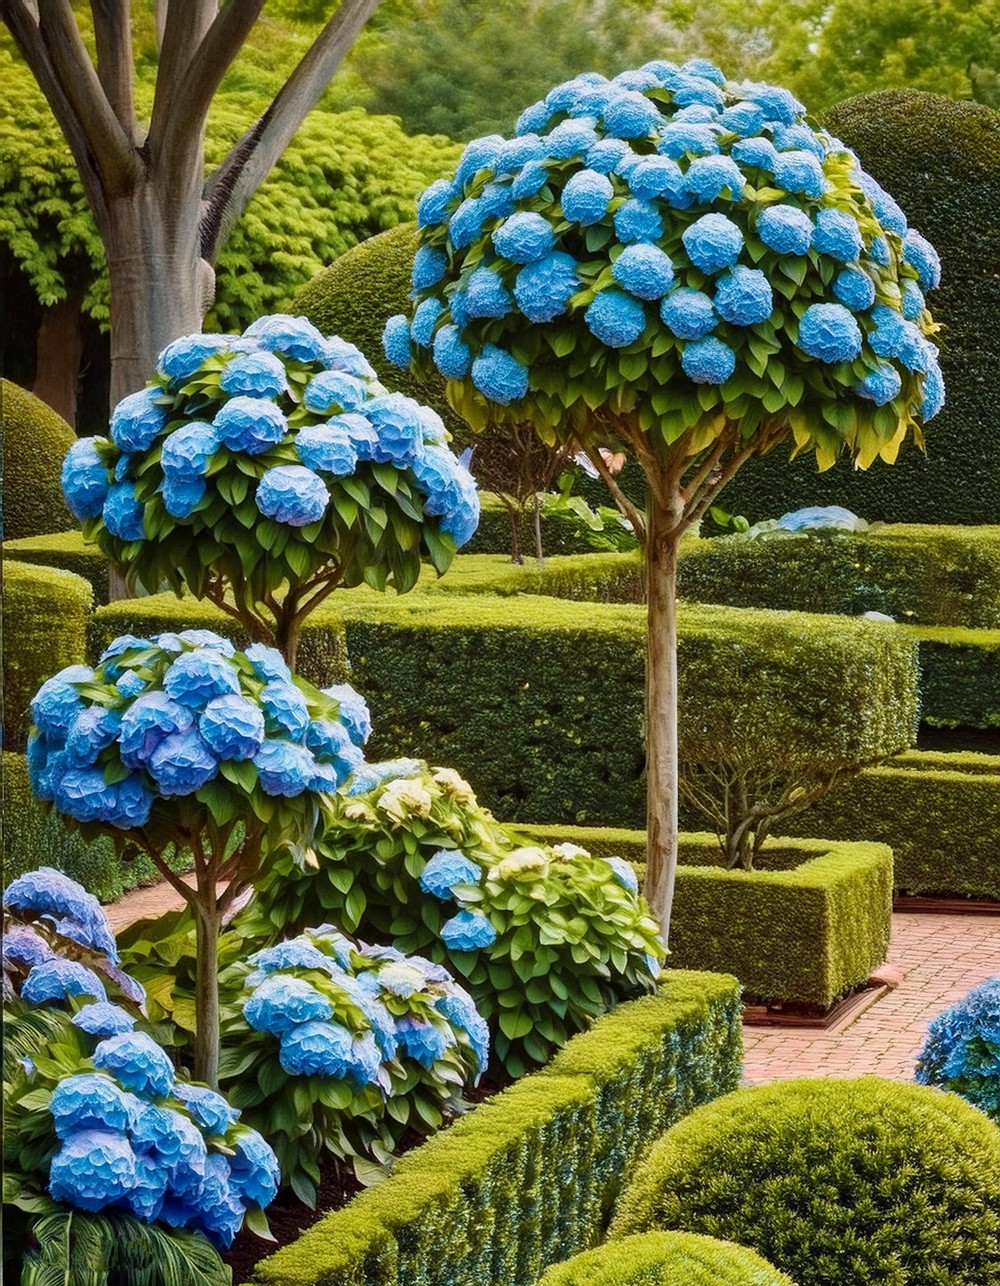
(263,470)
(686,266)
(181,743)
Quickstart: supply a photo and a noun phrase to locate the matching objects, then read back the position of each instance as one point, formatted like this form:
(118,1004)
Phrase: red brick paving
(941,957)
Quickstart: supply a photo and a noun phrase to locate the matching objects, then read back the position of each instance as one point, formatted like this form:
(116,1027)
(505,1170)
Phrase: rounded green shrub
(868,1182)
(35,439)
(941,161)
(666,1259)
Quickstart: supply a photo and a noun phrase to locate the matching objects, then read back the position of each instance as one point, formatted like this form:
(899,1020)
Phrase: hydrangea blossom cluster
(363,1015)
(439,875)
(673,216)
(159,719)
(131,1136)
(281,433)
(962,1049)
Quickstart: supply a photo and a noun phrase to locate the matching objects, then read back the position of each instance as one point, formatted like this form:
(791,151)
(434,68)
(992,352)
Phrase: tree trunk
(287,634)
(661,709)
(208,924)
(59,350)
(539,552)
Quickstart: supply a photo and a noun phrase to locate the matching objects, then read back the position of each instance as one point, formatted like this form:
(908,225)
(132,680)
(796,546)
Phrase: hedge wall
(529,1178)
(940,159)
(35,439)
(45,614)
(921,575)
(807,928)
(589,578)
(65,549)
(960,676)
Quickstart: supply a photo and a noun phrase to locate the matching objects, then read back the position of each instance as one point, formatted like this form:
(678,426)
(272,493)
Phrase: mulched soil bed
(813,1016)
(944,904)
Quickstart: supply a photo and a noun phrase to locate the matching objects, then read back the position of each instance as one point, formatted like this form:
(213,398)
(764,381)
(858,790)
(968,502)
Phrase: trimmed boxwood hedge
(921,575)
(960,676)
(35,439)
(860,1182)
(45,614)
(666,1259)
(808,927)
(589,578)
(940,159)
(529,1178)
(65,549)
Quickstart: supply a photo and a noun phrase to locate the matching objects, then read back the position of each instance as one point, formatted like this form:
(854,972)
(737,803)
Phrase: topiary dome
(666,1259)
(35,439)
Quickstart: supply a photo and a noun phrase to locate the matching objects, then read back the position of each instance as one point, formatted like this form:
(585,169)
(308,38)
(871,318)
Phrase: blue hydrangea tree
(261,471)
(687,267)
(181,744)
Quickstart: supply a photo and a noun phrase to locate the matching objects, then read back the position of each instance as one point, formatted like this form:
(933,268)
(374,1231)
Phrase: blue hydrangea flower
(778,104)
(855,289)
(315,1048)
(480,154)
(445,869)
(23,946)
(254,375)
(886,209)
(468,931)
(145,1198)
(530,181)
(486,295)
(281,1003)
(758,153)
(616,319)
(685,138)
(518,152)
(744,119)
(423,1041)
(713,242)
(232,727)
(137,1062)
(962,1049)
(524,237)
(586,196)
(933,391)
(330,392)
(119,647)
(785,228)
(467,222)
(532,119)
(452,356)
(150,718)
(254,1172)
(637,221)
(133,803)
(424,319)
(284,768)
(250,424)
(837,234)
(137,419)
(898,338)
(182,763)
(644,270)
(499,375)
(267,662)
(219,1212)
(788,138)
(103,1019)
(605,154)
(743,296)
(182,358)
(93,1169)
(571,138)
(879,252)
(688,314)
(689,87)
(181,498)
(354,712)
(913,300)
(187,451)
(631,115)
(56,705)
(285,709)
(830,333)
(432,427)
(209,1109)
(880,385)
(708,361)
(88,1100)
(123,514)
(94,729)
(84,794)
(623,873)
(658,176)
(396,341)
(195,677)
(450,491)
(333,748)
(429,266)
(84,479)
(296,337)
(458,1007)
(396,420)
(400,978)
(48,892)
(819,518)
(543,289)
(432,207)
(326,449)
(800,172)
(921,255)
(295,953)
(708,177)
(293,495)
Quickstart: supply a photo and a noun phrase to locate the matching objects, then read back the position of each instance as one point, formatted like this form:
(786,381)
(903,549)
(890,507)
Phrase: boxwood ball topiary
(863,1181)
(666,1259)
(35,439)
(941,161)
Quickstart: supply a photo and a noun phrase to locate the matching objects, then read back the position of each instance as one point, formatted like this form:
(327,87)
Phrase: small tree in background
(262,471)
(705,274)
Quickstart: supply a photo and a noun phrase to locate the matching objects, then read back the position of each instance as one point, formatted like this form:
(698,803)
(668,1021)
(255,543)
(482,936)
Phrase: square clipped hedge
(807,928)
(960,676)
(65,549)
(529,1177)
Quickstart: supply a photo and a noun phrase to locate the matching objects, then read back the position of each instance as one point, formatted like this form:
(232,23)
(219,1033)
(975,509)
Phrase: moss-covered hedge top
(666,1259)
(35,439)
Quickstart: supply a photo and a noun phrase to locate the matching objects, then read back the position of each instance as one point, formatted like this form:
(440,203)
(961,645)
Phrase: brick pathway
(941,958)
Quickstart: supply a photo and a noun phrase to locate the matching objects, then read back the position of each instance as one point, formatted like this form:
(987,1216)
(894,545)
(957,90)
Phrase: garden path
(939,958)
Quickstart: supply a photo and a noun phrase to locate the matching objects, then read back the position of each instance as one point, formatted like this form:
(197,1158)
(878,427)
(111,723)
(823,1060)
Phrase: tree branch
(116,159)
(230,189)
(631,511)
(113,36)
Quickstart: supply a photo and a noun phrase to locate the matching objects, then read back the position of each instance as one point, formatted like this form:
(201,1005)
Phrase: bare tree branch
(113,35)
(229,190)
(115,157)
